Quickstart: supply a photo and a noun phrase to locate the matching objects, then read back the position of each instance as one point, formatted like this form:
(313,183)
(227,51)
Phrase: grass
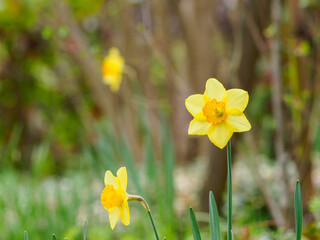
(43,207)
(60,205)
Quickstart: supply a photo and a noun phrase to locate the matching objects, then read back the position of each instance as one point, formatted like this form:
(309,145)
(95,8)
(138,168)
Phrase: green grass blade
(12,145)
(26,235)
(214,218)
(168,160)
(194,225)
(54,237)
(125,150)
(298,210)
(106,153)
(150,158)
(85,230)
(106,146)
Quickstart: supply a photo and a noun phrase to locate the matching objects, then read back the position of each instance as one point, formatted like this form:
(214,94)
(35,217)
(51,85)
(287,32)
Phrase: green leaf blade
(298,210)
(85,230)
(194,225)
(214,218)
(26,235)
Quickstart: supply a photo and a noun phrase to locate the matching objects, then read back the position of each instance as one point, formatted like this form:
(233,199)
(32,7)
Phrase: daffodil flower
(114,197)
(112,68)
(218,113)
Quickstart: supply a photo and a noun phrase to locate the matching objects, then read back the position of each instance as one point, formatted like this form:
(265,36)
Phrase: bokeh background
(61,127)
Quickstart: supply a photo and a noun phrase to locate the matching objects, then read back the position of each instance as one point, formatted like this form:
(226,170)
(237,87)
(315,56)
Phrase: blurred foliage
(30,91)
(55,146)
(157,177)
(60,204)
(313,229)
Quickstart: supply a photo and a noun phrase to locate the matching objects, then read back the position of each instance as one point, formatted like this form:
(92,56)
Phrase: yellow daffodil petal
(206,98)
(195,103)
(198,127)
(114,82)
(214,89)
(220,134)
(124,214)
(107,80)
(234,111)
(200,117)
(109,179)
(114,214)
(115,85)
(239,122)
(122,175)
(237,98)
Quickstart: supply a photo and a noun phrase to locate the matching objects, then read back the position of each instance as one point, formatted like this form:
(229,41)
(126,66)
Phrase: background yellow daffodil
(218,113)
(112,68)
(115,198)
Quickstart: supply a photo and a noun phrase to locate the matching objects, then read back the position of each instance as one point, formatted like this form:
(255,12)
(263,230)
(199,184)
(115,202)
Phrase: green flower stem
(154,226)
(229,233)
(144,203)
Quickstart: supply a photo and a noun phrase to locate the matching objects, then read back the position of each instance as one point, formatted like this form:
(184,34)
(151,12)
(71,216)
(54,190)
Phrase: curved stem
(229,233)
(140,199)
(146,206)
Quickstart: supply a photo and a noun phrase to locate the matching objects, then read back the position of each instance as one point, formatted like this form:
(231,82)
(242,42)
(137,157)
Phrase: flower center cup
(112,197)
(215,112)
(111,68)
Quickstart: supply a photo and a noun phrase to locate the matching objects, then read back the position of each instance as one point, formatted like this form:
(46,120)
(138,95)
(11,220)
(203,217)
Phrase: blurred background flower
(112,68)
